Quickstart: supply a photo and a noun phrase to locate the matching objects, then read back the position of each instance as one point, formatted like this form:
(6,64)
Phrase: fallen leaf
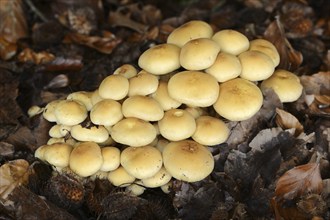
(28,55)
(58,81)
(317,84)
(81,20)
(286,121)
(7,49)
(290,58)
(320,105)
(13,174)
(62,64)
(101,44)
(13,25)
(299,181)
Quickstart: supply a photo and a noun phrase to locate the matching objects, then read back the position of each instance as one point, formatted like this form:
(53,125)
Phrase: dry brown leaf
(13,25)
(320,105)
(7,49)
(13,174)
(299,181)
(104,44)
(123,19)
(28,55)
(62,64)
(317,84)
(286,121)
(290,58)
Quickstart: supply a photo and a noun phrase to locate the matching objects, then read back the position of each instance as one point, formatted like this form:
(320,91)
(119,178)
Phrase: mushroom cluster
(150,125)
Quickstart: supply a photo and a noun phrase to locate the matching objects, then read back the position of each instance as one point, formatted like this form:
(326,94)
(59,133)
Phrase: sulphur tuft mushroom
(199,54)
(194,88)
(190,31)
(86,159)
(133,132)
(141,162)
(142,107)
(210,131)
(114,87)
(160,59)
(285,84)
(239,99)
(177,124)
(231,41)
(70,112)
(188,160)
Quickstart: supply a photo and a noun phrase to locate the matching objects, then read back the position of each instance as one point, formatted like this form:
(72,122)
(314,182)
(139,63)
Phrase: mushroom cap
(196,111)
(106,112)
(58,154)
(114,87)
(96,134)
(70,112)
(34,110)
(141,162)
(160,178)
(49,111)
(199,54)
(39,153)
(239,99)
(135,189)
(111,158)
(160,59)
(120,177)
(86,159)
(193,88)
(82,97)
(225,67)
(142,107)
(256,65)
(285,84)
(133,132)
(231,41)
(267,48)
(188,160)
(189,31)
(210,131)
(162,97)
(177,124)
(143,83)
(55,132)
(95,98)
(126,70)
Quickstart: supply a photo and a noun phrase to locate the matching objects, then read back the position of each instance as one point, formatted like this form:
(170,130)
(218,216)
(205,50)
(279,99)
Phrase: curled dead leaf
(7,49)
(286,121)
(13,174)
(320,105)
(290,58)
(28,55)
(299,181)
(58,81)
(104,44)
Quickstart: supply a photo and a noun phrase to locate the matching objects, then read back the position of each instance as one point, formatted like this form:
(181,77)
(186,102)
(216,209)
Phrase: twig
(36,11)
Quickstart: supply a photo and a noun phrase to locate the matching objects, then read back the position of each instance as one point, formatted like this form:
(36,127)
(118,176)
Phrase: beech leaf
(13,174)
(104,44)
(13,25)
(286,121)
(299,181)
